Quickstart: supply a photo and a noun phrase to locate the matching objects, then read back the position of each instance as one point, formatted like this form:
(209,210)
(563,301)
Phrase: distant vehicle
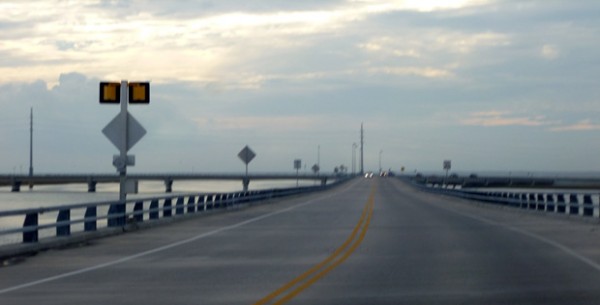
(453,176)
(368,175)
(473,176)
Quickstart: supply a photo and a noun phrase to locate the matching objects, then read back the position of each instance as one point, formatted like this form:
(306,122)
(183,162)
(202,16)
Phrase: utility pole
(362,144)
(31,143)
(354,146)
(380,169)
(319,155)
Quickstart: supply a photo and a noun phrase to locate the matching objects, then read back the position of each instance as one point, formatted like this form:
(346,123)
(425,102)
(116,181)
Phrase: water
(55,195)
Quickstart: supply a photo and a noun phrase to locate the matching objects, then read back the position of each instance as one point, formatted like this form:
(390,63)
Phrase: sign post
(315,168)
(123,131)
(246,155)
(447,167)
(297,166)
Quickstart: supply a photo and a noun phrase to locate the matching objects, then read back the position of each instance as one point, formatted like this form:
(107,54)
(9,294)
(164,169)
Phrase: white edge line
(540,238)
(169,246)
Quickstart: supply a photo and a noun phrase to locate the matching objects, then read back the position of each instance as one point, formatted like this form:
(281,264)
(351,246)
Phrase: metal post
(362,144)
(117,212)
(354,146)
(123,150)
(319,156)
(246,183)
(380,169)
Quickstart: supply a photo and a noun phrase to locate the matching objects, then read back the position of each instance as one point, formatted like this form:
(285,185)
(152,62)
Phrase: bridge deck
(372,241)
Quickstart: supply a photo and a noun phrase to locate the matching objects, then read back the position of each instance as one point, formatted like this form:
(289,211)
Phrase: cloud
(502,118)
(226,73)
(583,125)
(549,52)
(93,37)
(262,124)
(427,72)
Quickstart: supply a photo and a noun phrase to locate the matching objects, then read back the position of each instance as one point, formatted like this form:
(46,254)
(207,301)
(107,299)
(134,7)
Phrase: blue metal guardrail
(584,204)
(134,211)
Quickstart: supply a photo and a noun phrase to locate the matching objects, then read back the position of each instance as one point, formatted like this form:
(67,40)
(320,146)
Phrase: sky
(509,86)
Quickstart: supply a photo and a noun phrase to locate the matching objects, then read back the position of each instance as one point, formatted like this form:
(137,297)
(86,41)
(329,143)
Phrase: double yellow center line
(288,291)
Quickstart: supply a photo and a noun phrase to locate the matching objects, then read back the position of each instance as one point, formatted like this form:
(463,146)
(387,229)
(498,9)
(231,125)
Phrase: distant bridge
(16,181)
(508,182)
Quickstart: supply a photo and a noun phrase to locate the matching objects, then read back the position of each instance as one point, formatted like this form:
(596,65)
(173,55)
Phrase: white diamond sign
(114,131)
(246,155)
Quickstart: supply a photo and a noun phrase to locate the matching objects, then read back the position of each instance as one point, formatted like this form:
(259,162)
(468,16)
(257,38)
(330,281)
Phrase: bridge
(365,241)
(16,181)
(474,181)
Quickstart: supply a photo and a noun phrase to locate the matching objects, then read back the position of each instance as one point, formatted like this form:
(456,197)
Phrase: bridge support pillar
(16,186)
(323,181)
(246,183)
(92,186)
(168,185)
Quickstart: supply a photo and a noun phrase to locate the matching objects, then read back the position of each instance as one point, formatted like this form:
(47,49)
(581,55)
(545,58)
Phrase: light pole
(31,145)
(380,152)
(319,155)
(354,146)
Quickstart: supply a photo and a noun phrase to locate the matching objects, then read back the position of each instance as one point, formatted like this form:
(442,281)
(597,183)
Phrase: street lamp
(380,169)
(354,146)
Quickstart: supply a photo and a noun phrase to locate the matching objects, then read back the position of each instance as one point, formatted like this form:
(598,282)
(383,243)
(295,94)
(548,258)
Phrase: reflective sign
(246,154)
(447,164)
(139,93)
(115,131)
(110,93)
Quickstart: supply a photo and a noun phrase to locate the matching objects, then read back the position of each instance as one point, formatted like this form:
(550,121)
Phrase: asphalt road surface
(369,241)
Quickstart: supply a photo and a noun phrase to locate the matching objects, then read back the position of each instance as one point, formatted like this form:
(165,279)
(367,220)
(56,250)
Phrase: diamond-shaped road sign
(114,131)
(246,154)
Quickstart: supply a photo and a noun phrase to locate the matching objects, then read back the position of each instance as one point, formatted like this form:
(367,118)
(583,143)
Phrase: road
(369,241)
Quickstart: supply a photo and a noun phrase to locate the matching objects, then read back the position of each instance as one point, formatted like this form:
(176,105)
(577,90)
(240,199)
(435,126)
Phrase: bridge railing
(581,203)
(31,225)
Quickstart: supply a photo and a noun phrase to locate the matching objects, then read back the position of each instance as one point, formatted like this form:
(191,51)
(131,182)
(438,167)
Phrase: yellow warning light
(139,93)
(110,93)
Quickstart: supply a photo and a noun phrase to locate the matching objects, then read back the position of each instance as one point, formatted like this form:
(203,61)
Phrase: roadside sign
(297,164)
(447,164)
(139,93)
(110,93)
(123,132)
(114,132)
(120,163)
(246,155)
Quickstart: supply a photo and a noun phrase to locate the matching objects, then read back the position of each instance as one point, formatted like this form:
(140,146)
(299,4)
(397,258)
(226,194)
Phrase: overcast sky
(490,85)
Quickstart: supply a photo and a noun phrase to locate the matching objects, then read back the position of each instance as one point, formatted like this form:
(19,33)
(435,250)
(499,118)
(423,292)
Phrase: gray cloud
(226,74)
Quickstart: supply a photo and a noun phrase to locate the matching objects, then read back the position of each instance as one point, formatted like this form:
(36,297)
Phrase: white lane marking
(540,238)
(169,246)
